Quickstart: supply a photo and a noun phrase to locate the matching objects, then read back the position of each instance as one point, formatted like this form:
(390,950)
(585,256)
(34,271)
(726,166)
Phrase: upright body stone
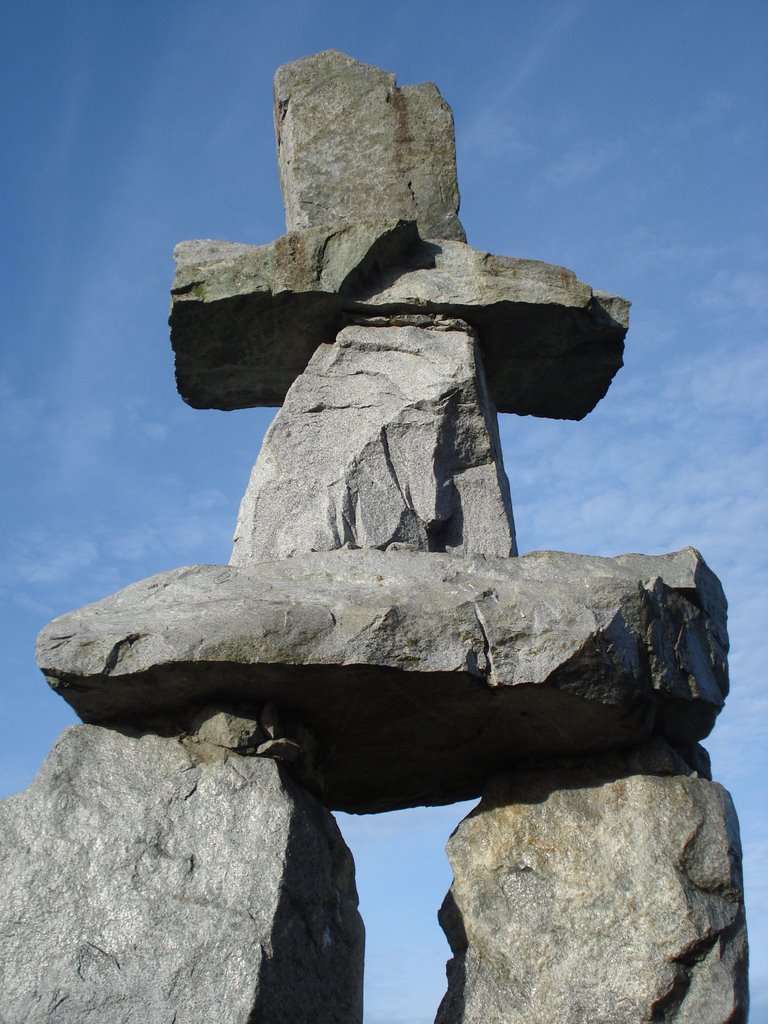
(143,884)
(597,894)
(389,436)
(352,146)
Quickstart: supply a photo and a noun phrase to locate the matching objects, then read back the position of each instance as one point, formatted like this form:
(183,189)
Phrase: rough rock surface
(388,436)
(351,146)
(140,884)
(420,674)
(245,319)
(596,894)
(228,729)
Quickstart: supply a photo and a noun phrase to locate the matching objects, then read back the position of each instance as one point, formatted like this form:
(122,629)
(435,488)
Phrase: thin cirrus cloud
(582,162)
(493,124)
(743,289)
(42,566)
(42,559)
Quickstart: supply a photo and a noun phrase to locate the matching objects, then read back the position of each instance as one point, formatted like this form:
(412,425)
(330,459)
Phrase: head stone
(352,146)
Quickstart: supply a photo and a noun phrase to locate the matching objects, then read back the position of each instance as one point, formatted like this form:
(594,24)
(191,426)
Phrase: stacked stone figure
(375,643)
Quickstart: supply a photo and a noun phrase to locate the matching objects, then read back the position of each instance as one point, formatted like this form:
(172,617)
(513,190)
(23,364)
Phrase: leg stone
(594,895)
(141,884)
(389,436)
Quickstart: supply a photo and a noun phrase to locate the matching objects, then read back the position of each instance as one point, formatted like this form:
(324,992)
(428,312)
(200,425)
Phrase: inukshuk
(374,644)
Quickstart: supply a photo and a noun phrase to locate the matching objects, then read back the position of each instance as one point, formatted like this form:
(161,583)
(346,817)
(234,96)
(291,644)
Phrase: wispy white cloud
(670,244)
(41,609)
(756,856)
(43,559)
(541,50)
(155,431)
(20,414)
(211,498)
(711,109)
(734,291)
(49,567)
(79,438)
(495,126)
(583,161)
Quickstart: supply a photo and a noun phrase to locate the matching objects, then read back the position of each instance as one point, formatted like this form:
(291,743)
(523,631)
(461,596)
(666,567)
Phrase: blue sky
(626,141)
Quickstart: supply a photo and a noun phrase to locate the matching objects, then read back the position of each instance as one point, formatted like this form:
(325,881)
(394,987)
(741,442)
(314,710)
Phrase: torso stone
(389,436)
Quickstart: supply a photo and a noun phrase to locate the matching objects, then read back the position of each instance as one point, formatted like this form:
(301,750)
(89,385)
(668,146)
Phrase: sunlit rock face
(143,883)
(388,437)
(245,319)
(351,145)
(420,674)
(608,891)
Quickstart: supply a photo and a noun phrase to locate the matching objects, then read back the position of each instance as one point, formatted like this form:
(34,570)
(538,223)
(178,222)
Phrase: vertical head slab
(352,146)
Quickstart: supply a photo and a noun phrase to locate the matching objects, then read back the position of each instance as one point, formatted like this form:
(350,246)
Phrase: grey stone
(227,729)
(245,320)
(271,721)
(255,731)
(353,146)
(141,884)
(283,749)
(419,674)
(596,894)
(699,760)
(388,436)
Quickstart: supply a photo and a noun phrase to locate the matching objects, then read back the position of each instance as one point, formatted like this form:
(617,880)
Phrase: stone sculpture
(375,643)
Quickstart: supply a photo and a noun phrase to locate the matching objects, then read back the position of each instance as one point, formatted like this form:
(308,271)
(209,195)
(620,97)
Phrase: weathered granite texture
(253,730)
(420,674)
(388,436)
(353,146)
(142,884)
(245,319)
(602,893)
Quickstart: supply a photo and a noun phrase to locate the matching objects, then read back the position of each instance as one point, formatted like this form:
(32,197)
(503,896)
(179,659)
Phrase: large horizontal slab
(245,320)
(420,674)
